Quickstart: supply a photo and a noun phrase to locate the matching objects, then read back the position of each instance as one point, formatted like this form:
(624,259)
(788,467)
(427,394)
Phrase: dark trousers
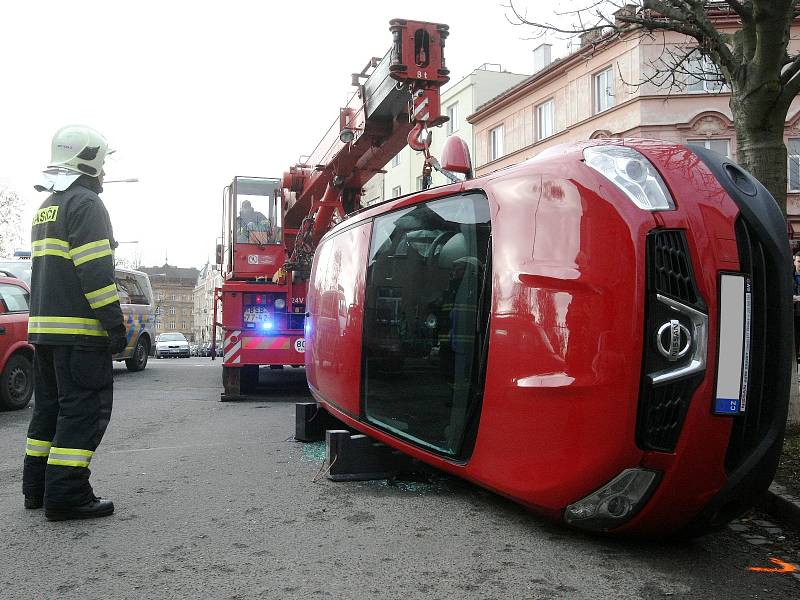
(74,395)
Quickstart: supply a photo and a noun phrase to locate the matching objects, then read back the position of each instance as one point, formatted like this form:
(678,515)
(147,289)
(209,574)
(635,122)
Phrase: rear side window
(13,299)
(130,292)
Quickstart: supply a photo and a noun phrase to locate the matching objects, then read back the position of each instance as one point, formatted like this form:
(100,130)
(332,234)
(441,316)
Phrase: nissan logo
(673,340)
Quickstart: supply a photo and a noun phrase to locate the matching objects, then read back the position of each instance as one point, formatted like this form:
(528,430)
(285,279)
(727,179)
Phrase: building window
(396,191)
(496,143)
(396,160)
(171,310)
(171,324)
(794,164)
(703,75)
(173,297)
(545,113)
(158,324)
(604,90)
(719,146)
(452,113)
(419,183)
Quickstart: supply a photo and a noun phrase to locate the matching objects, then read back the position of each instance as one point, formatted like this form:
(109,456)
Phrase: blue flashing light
(266,325)
(307,327)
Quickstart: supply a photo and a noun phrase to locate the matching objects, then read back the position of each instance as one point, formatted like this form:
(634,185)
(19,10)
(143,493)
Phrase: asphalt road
(215,500)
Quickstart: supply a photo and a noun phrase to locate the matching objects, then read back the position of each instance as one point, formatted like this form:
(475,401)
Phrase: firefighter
(75,326)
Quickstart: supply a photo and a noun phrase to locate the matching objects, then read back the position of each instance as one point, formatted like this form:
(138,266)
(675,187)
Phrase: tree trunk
(763,154)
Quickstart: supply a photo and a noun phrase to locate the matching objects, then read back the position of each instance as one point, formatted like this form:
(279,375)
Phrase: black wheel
(16,383)
(138,360)
(249,381)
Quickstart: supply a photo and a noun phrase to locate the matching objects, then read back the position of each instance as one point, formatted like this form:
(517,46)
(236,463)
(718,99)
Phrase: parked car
(16,354)
(610,320)
(17,267)
(136,300)
(172,344)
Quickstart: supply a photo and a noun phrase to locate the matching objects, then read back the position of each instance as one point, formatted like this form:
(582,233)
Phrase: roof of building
(172,274)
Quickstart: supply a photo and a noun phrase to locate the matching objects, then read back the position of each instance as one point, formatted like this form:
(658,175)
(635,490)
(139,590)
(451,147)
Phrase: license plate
(733,365)
(255,313)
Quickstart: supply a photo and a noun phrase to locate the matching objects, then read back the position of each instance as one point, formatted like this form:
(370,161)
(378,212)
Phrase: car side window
(144,285)
(13,299)
(129,287)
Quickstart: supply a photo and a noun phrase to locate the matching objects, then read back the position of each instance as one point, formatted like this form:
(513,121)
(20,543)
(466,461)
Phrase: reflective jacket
(74,298)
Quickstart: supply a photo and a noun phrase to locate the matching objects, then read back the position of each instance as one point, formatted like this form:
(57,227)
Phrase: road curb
(778,502)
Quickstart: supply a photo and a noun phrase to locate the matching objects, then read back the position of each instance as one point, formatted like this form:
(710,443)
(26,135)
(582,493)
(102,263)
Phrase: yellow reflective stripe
(69,457)
(50,242)
(48,252)
(65,331)
(81,320)
(39,448)
(93,256)
(91,246)
(66,326)
(90,251)
(103,296)
(101,291)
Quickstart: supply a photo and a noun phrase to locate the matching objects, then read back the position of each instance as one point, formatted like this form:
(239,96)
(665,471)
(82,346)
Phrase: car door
(14,303)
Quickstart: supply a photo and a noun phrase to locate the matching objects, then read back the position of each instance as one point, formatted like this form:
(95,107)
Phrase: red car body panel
(558,418)
(15,338)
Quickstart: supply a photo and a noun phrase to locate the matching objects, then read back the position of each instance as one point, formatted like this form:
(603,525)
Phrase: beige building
(173,288)
(597,91)
(203,301)
(404,172)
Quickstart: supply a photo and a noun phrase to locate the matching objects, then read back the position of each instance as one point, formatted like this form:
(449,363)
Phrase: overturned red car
(600,333)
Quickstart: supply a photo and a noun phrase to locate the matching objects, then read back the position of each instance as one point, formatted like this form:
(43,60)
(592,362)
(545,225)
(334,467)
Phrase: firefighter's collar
(56,179)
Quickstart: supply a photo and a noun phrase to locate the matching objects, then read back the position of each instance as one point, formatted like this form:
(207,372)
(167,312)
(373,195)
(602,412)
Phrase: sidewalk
(783,498)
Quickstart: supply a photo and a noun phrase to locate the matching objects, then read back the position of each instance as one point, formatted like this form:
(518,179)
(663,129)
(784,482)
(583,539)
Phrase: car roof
(14,281)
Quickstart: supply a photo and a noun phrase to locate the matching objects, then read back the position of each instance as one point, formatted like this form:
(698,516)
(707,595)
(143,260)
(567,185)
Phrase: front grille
(665,408)
(663,404)
(750,428)
(671,266)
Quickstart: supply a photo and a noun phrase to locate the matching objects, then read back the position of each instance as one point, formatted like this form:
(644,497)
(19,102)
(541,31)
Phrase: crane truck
(271,226)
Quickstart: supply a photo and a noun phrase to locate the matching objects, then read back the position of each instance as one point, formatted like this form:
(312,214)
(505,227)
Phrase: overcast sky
(193,93)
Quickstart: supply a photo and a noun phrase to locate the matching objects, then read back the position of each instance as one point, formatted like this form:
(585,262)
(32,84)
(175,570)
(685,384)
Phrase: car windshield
(18,268)
(171,337)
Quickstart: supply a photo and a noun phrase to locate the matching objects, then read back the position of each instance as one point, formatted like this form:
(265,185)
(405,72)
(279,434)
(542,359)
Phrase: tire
(16,383)
(138,360)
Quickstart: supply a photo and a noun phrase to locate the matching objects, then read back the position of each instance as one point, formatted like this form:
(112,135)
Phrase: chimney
(627,10)
(541,57)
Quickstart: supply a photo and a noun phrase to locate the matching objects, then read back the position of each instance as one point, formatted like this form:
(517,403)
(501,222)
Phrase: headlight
(280,303)
(615,502)
(633,174)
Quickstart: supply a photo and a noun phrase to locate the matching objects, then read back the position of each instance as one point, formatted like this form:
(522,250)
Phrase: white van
(138,311)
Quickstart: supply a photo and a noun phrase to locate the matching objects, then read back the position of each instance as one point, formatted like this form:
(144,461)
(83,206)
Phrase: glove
(117,339)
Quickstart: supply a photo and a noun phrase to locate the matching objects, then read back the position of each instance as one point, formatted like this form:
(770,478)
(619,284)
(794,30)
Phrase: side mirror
(455,156)
(219,254)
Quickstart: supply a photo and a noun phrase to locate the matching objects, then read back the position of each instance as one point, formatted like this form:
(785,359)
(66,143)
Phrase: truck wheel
(249,378)
(138,360)
(16,383)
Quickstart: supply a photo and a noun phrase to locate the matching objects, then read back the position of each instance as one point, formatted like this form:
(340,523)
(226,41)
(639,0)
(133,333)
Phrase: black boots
(93,509)
(33,502)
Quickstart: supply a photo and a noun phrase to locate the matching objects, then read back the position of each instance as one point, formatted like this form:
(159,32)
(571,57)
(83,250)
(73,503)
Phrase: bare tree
(12,208)
(750,55)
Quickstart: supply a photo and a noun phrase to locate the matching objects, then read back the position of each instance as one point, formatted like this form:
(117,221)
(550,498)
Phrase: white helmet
(76,150)
(80,149)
